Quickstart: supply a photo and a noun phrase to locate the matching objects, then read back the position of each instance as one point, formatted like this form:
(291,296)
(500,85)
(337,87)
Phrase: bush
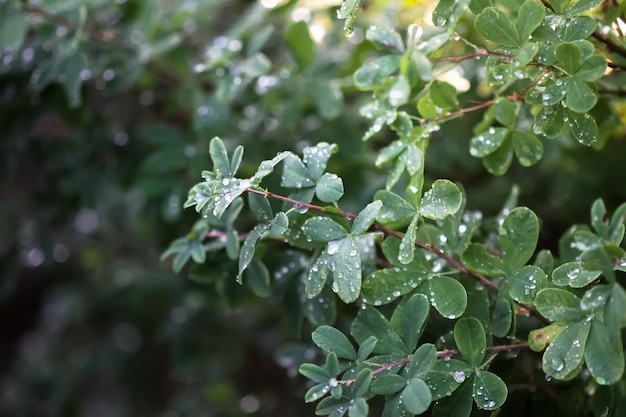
(412,201)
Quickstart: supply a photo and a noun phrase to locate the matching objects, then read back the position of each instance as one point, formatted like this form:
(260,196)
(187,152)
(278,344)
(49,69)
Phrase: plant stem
(427,246)
(443,354)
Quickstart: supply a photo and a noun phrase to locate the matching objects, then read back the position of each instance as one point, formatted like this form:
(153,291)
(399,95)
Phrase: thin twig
(442,354)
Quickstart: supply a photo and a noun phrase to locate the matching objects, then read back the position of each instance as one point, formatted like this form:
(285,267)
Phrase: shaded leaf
(518,237)
(489,390)
(332,340)
(470,339)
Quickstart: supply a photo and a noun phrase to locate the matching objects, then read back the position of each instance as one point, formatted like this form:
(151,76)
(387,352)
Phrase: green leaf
(366,348)
(580,97)
(407,247)
(595,298)
(504,112)
(248,248)
(528,148)
(502,318)
(345,263)
(604,359)
(332,340)
(416,396)
(414,317)
(558,305)
(443,199)
(376,72)
(385,285)
(580,27)
(443,95)
(447,12)
(446,376)
(549,121)
(583,127)
(219,156)
(13,28)
(316,158)
(395,209)
(489,390)
(385,38)
(279,225)
(525,283)
(529,17)
(388,384)
(362,382)
(458,404)
(300,43)
(518,237)
(488,142)
(477,259)
(564,356)
(320,310)
(495,26)
(358,408)
(568,55)
(295,174)
(580,6)
(347,11)
(260,206)
(602,258)
(422,361)
(369,322)
(470,339)
(399,92)
(366,218)
(258,278)
(571,274)
(329,188)
(317,275)
(448,296)
(314,373)
(323,229)
(592,69)
(265,167)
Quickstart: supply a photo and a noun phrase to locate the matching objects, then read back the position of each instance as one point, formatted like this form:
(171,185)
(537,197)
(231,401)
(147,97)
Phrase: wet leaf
(323,229)
(447,295)
(414,316)
(369,322)
(332,340)
(495,26)
(564,356)
(416,396)
(385,38)
(528,148)
(526,282)
(558,305)
(529,17)
(477,259)
(329,188)
(580,97)
(443,199)
(489,390)
(571,274)
(470,339)
(583,126)
(518,237)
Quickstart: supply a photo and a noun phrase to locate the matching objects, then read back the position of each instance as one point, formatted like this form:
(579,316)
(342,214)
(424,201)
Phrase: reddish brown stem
(443,354)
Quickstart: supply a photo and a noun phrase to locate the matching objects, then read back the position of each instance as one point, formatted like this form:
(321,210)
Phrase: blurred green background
(106,112)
